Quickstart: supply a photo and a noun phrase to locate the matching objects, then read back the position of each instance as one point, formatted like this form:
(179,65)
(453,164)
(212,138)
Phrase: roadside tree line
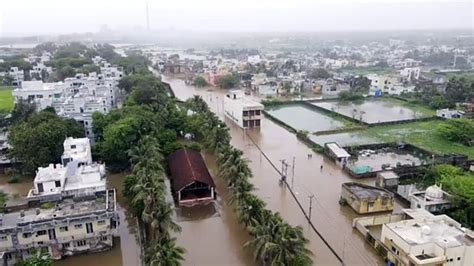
(274,242)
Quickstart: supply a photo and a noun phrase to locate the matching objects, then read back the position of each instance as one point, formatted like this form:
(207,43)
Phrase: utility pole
(310,206)
(293,172)
(284,170)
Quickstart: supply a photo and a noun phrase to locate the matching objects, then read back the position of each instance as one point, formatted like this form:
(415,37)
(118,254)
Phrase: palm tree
(278,243)
(164,252)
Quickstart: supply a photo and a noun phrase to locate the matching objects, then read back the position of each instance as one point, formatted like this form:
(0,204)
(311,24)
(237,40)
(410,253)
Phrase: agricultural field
(6,99)
(301,117)
(377,110)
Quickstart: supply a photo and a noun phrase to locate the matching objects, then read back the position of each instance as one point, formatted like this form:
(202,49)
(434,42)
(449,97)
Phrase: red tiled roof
(186,167)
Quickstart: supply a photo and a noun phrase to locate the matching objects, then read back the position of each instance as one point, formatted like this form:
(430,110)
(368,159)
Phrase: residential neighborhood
(269,144)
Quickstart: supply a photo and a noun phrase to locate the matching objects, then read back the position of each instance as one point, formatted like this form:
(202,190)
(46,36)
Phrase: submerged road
(306,179)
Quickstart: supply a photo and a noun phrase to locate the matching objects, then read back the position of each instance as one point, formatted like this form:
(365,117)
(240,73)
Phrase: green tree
(200,82)
(39,259)
(38,140)
(164,252)
(319,73)
(458,130)
(229,81)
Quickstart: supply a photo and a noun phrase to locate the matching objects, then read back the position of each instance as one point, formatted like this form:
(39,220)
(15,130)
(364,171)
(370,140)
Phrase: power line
(299,204)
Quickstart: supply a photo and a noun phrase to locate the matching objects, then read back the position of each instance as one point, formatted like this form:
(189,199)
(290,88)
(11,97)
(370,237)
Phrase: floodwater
(126,250)
(333,221)
(389,158)
(212,235)
(301,117)
(344,139)
(372,110)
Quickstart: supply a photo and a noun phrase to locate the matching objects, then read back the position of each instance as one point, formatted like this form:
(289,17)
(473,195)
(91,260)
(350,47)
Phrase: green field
(6,99)
(421,134)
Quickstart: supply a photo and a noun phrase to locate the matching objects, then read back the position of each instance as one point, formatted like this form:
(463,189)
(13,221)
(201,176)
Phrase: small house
(340,155)
(191,182)
(367,199)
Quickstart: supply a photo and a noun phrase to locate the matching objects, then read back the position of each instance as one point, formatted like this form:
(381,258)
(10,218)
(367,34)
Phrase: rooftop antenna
(147,18)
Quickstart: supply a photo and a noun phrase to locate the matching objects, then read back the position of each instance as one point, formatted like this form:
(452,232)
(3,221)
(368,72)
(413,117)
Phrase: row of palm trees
(146,190)
(274,241)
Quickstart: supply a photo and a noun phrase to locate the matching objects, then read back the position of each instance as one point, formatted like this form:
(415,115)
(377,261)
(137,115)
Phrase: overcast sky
(33,17)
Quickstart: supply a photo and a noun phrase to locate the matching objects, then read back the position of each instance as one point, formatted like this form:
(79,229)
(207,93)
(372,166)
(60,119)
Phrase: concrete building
(340,155)
(75,179)
(42,94)
(244,112)
(367,199)
(77,150)
(449,113)
(410,73)
(64,228)
(433,199)
(17,74)
(387,179)
(427,239)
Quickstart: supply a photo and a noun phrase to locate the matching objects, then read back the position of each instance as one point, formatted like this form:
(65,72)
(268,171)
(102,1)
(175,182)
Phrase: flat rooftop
(440,230)
(362,191)
(60,209)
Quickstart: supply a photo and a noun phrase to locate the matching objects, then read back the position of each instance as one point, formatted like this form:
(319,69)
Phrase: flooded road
(214,238)
(330,219)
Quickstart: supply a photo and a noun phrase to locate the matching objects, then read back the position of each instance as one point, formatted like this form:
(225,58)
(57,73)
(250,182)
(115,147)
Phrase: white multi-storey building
(245,112)
(427,239)
(17,75)
(77,176)
(38,92)
(77,150)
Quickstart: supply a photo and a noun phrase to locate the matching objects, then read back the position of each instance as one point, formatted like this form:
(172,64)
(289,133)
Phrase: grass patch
(47,205)
(13,179)
(422,134)
(6,99)
(426,111)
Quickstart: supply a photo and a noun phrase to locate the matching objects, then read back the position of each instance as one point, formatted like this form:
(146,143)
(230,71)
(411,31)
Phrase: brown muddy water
(330,219)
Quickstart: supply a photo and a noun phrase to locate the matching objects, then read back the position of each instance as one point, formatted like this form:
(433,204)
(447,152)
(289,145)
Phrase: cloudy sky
(28,17)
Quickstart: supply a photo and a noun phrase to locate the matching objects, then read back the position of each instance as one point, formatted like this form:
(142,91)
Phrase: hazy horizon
(50,17)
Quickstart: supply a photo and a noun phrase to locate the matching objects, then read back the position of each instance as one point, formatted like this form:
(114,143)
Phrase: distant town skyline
(27,17)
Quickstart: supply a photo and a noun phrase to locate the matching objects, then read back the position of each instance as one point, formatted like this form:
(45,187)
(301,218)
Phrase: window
(459,258)
(63,229)
(81,243)
(40,242)
(257,123)
(103,238)
(27,235)
(251,113)
(8,256)
(78,226)
(57,183)
(257,112)
(73,146)
(101,222)
(246,123)
(66,245)
(41,233)
(3,238)
(246,113)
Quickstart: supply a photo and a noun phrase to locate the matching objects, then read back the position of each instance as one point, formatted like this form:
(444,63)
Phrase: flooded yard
(344,139)
(301,117)
(380,159)
(374,110)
